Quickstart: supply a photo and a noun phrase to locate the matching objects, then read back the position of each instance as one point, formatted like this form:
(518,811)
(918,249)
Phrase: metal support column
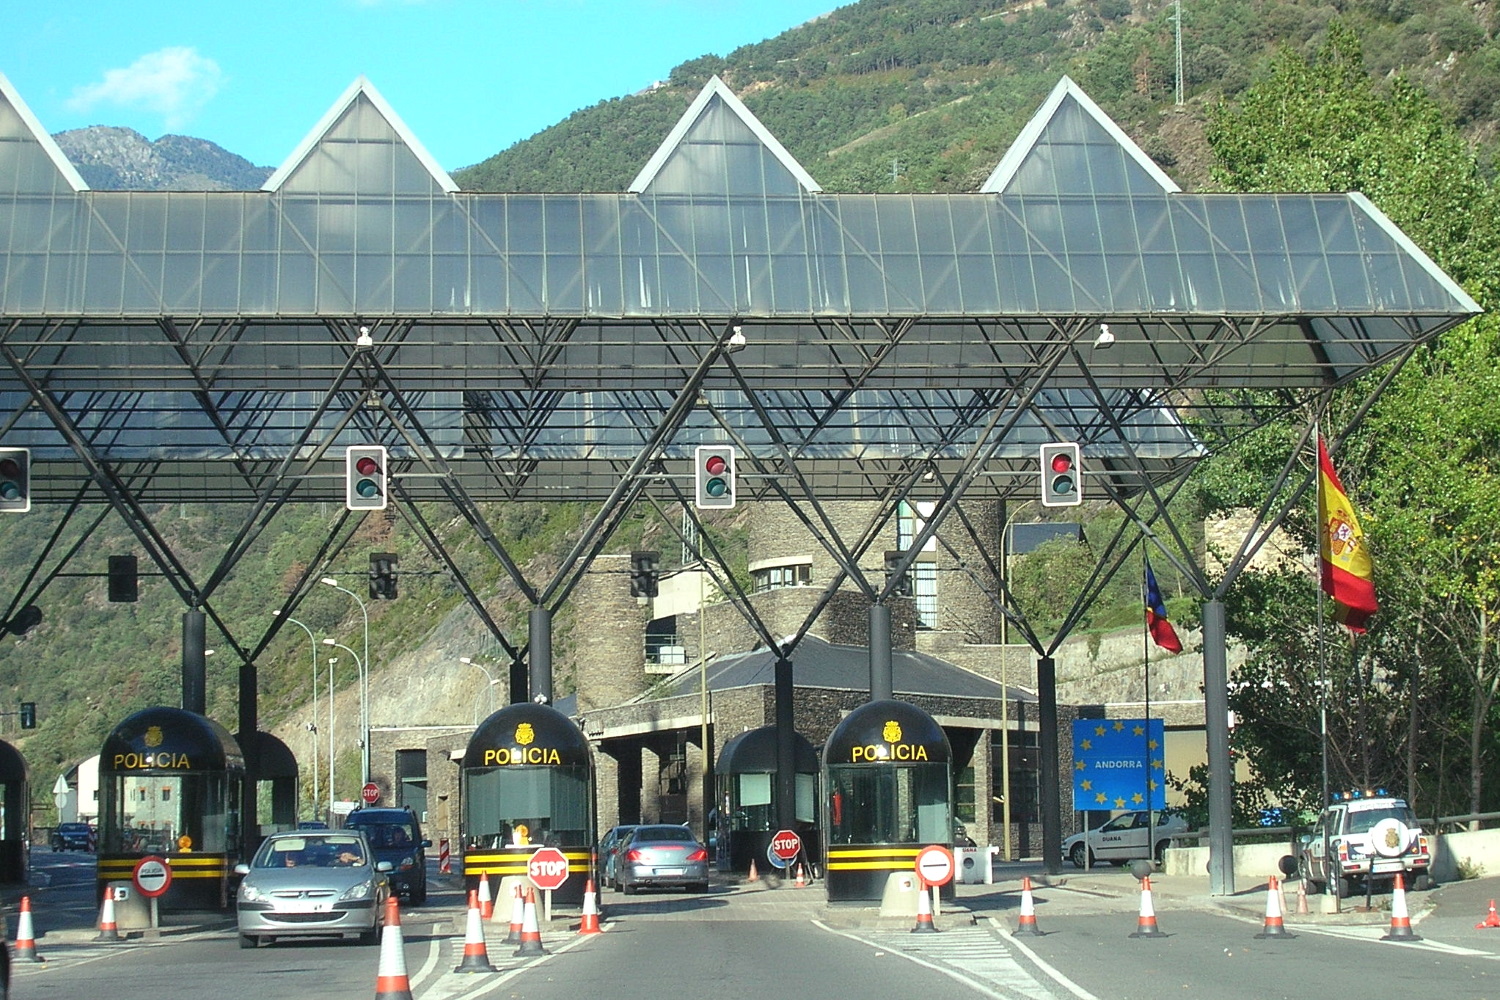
(540,643)
(882,685)
(1220,768)
(194,671)
(1049,774)
(786,747)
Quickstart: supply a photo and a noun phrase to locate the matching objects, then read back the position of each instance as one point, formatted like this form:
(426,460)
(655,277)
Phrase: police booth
(746,806)
(170,782)
(15,814)
(887,780)
(527,781)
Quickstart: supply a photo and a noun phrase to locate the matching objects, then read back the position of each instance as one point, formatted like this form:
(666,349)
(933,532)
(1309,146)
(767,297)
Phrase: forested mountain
(1397,98)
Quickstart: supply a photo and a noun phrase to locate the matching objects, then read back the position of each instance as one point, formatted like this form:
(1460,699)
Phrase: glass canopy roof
(538,343)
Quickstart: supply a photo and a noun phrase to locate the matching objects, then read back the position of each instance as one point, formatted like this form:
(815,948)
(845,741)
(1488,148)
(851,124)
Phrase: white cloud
(173,82)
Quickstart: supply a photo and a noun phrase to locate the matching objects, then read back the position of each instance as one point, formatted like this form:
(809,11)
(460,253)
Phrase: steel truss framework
(225,347)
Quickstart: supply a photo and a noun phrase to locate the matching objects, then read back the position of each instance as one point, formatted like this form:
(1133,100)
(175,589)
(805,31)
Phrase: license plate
(668,871)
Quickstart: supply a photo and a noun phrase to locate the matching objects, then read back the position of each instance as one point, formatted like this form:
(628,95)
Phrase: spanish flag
(1348,571)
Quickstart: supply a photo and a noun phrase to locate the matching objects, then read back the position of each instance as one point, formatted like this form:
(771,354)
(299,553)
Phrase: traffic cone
(1275,926)
(390,978)
(531,935)
(108,929)
(25,937)
(799,882)
(590,922)
(517,915)
(1027,923)
(754,875)
(476,956)
(486,902)
(1400,921)
(1302,896)
(1145,926)
(1491,919)
(924,913)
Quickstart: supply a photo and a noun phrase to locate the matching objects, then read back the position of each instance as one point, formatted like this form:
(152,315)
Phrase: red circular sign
(786,845)
(370,793)
(152,876)
(935,864)
(548,868)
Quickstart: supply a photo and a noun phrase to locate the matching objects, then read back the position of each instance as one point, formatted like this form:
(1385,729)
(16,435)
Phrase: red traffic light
(716,465)
(367,466)
(1062,462)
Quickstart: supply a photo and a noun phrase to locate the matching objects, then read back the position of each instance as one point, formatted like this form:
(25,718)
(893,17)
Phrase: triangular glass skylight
(1071,147)
(361,147)
(719,147)
(31,163)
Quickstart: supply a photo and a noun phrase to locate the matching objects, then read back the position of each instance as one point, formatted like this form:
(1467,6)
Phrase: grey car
(609,854)
(307,883)
(661,856)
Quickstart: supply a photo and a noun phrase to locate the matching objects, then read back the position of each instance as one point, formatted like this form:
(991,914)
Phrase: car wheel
(249,941)
(1304,870)
(371,936)
(628,889)
(417,896)
(1343,888)
(1160,854)
(698,887)
(1077,856)
(1422,882)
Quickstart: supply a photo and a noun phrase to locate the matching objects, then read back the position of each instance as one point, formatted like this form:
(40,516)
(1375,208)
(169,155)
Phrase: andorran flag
(1162,632)
(1347,569)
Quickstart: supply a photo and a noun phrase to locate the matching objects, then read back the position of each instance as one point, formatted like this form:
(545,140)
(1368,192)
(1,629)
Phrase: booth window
(152,811)
(551,803)
(889,804)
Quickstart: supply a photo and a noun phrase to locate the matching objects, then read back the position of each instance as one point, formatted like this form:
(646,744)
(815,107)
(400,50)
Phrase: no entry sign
(152,876)
(935,864)
(548,868)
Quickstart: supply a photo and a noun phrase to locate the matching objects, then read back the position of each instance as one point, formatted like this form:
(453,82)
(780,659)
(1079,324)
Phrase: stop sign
(786,845)
(370,793)
(548,868)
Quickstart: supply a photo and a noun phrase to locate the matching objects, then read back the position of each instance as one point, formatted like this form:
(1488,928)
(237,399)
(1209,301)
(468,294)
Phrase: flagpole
(1146,656)
(1328,886)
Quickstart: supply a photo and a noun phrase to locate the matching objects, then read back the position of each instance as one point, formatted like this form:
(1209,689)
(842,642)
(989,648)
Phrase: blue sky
(469,77)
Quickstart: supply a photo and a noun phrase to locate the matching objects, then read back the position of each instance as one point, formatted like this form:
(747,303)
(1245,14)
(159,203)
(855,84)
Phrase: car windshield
(1125,822)
(662,833)
(1364,820)
(386,835)
(333,851)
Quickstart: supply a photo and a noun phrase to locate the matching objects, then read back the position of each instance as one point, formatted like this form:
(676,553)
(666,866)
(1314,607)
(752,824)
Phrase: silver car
(662,855)
(306,883)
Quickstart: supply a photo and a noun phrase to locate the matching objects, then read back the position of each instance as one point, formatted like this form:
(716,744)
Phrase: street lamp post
(312,727)
(331,661)
(364,731)
(364,675)
(488,676)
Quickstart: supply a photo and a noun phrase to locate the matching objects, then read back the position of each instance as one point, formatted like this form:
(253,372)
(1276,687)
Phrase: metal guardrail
(1248,834)
(1467,822)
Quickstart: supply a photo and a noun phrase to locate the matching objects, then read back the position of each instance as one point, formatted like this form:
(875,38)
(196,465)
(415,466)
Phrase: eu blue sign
(1118,764)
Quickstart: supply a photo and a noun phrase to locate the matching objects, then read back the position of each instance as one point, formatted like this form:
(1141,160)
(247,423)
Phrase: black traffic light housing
(365,478)
(713,477)
(15,480)
(643,573)
(903,582)
(28,715)
(124,582)
(1062,475)
(383,576)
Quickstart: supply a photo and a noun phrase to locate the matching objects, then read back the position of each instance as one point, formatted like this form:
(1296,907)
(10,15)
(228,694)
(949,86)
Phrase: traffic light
(15,480)
(28,715)
(1062,475)
(383,576)
(365,477)
(903,585)
(714,477)
(643,569)
(123,580)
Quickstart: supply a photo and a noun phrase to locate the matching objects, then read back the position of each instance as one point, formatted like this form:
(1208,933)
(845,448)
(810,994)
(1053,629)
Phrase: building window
(776,577)
(663,646)
(923,574)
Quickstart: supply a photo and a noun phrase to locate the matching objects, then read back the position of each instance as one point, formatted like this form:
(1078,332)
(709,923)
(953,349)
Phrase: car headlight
(359,891)
(407,864)
(249,893)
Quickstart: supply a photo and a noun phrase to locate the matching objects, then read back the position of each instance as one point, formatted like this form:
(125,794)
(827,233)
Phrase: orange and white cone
(590,922)
(517,915)
(486,901)
(1400,919)
(754,875)
(1491,919)
(1145,925)
(25,950)
(108,929)
(1275,925)
(799,882)
(1027,923)
(391,982)
(531,934)
(476,955)
(1302,897)
(924,912)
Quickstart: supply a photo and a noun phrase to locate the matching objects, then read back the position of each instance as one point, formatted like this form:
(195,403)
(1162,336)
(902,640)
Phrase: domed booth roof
(887,730)
(12,764)
(527,733)
(754,752)
(170,738)
(273,758)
